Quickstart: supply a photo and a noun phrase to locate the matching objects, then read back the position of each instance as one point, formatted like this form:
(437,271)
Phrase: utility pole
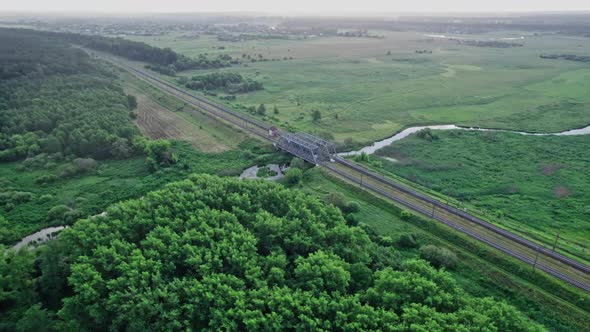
(432,210)
(536,257)
(555,243)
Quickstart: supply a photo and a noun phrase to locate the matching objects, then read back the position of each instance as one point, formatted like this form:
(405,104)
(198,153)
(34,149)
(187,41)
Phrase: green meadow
(368,89)
(536,186)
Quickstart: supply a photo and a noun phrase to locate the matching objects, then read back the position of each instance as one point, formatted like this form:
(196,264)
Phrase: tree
(36,319)
(132,102)
(261,110)
(439,257)
(316,115)
(275,110)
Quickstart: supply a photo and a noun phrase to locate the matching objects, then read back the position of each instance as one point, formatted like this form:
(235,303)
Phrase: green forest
(162,236)
(215,254)
(68,146)
(54,100)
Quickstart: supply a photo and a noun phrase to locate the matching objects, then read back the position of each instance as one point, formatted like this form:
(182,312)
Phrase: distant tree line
(360,34)
(164,60)
(487,43)
(569,57)
(228,82)
(246,36)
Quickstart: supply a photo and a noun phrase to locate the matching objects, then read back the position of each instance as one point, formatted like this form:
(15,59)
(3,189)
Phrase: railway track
(555,264)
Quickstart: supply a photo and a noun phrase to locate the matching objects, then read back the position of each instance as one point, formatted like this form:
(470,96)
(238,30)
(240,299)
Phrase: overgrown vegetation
(225,81)
(239,255)
(535,185)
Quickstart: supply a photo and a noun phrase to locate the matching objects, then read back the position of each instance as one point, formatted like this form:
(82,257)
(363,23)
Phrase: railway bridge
(308,147)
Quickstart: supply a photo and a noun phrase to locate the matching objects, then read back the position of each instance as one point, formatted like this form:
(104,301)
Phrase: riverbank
(411,130)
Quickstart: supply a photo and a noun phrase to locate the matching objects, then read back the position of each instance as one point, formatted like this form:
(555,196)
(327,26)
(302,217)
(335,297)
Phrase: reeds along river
(407,132)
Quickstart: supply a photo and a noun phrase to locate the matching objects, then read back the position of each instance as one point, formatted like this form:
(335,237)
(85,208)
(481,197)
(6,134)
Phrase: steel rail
(561,258)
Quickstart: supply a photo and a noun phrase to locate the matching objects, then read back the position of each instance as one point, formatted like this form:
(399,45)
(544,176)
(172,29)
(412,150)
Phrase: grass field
(364,94)
(532,185)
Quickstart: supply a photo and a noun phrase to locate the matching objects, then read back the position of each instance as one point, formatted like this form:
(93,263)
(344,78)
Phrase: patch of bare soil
(156,121)
(550,169)
(561,191)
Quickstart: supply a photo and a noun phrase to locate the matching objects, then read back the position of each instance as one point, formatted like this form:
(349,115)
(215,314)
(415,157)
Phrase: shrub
(351,219)
(45,198)
(407,241)
(316,115)
(363,157)
(293,176)
(9,206)
(353,207)
(405,215)
(79,166)
(337,199)
(43,179)
(57,212)
(427,134)
(439,257)
(298,163)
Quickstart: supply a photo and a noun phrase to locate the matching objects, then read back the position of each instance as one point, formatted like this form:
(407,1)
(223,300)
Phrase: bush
(407,241)
(337,199)
(353,207)
(351,219)
(79,166)
(439,257)
(45,198)
(298,163)
(293,176)
(363,157)
(405,215)
(427,134)
(386,241)
(57,212)
(43,179)
(15,197)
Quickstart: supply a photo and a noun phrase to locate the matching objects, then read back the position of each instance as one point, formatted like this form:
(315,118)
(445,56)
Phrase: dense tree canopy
(222,254)
(228,82)
(54,99)
(164,60)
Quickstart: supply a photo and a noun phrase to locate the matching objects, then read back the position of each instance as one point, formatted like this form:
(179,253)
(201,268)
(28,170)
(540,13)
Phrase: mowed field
(365,94)
(162,116)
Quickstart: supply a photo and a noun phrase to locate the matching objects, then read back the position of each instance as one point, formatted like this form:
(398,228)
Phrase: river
(39,237)
(408,131)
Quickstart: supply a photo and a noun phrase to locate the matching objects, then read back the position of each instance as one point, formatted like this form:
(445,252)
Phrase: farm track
(555,264)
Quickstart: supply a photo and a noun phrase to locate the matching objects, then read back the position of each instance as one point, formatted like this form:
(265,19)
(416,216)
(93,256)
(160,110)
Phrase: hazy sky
(295,6)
